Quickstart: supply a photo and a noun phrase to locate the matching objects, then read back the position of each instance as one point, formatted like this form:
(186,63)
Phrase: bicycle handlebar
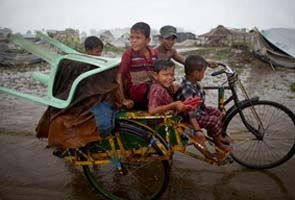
(226,70)
(221,64)
(218,72)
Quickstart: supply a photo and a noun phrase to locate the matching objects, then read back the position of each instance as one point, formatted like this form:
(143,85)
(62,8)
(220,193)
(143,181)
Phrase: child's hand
(192,103)
(179,106)
(128,103)
(212,64)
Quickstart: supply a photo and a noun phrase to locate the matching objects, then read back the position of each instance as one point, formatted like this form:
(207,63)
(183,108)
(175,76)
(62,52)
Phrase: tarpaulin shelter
(275,46)
(76,82)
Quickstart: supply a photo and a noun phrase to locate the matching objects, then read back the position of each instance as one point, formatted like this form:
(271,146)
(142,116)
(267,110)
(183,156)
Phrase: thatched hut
(222,36)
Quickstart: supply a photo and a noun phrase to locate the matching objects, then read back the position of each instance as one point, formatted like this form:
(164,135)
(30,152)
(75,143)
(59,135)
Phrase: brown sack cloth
(75,126)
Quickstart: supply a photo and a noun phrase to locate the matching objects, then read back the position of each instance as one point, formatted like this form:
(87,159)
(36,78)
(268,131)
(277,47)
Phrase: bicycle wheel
(142,176)
(277,143)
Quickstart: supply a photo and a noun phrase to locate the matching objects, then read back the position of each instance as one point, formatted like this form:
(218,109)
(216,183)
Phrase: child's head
(167,36)
(93,46)
(140,36)
(164,72)
(195,67)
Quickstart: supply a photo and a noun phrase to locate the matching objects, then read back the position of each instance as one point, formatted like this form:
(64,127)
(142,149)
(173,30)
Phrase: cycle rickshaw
(134,161)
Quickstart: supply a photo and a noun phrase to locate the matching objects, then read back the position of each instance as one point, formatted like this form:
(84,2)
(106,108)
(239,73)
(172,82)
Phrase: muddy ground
(29,171)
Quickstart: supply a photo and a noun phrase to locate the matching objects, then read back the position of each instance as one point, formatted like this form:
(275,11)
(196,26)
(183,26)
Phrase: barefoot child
(160,99)
(204,116)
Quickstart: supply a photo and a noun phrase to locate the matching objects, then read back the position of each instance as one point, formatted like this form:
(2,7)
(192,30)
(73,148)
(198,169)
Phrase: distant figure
(93,46)
(166,51)
(167,40)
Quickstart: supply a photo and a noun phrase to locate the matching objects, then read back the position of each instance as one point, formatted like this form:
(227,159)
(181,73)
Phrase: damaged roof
(282,38)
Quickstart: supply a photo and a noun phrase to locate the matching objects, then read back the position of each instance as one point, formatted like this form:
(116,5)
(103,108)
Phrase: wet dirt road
(29,171)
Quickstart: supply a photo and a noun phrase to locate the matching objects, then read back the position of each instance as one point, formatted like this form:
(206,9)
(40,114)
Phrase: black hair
(142,27)
(161,64)
(93,42)
(193,63)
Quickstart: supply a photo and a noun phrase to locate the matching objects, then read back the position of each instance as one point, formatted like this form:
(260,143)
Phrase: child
(166,51)
(93,46)
(160,99)
(134,73)
(205,116)
(167,40)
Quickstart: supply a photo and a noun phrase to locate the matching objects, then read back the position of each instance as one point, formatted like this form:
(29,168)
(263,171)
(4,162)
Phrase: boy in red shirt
(134,74)
(161,100)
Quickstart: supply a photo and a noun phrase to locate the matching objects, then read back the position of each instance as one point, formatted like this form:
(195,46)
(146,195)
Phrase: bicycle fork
(257,132)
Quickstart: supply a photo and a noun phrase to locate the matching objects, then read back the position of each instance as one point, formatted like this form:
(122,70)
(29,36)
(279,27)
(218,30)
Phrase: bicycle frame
(116,150)
(233,81)
(170,135)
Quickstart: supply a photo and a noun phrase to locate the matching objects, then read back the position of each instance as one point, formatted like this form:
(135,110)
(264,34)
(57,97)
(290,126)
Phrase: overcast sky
(193,15)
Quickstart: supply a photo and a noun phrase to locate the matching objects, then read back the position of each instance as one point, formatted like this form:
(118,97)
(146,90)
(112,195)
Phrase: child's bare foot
(221,156)
(226,140)
(199,143)
(222,152)
(224,148)
(206,153)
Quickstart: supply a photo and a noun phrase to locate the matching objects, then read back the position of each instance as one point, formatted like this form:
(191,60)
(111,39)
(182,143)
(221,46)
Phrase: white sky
(193,15)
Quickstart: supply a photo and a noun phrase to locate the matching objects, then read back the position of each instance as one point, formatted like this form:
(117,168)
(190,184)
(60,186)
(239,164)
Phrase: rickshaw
(134,160)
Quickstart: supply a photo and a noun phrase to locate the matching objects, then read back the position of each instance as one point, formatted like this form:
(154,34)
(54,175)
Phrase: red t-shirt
(159,96)
(136,68)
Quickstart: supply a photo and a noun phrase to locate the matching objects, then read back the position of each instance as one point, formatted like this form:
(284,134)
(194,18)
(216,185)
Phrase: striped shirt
(137,68)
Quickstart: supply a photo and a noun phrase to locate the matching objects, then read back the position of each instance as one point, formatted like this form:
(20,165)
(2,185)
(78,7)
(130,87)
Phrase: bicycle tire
(140,180)
(278,142)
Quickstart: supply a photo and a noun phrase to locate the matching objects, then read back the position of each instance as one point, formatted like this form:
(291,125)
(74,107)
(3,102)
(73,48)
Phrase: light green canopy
(54,59)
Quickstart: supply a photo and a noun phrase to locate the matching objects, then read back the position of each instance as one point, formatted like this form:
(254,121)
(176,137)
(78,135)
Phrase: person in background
(93,46)
(168,36)
(167,39)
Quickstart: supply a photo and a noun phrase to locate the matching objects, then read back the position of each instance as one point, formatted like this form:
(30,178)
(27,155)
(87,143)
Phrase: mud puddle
(28,171)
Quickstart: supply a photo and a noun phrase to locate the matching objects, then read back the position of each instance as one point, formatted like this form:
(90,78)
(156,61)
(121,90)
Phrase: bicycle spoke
(140,175)
(277,143)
